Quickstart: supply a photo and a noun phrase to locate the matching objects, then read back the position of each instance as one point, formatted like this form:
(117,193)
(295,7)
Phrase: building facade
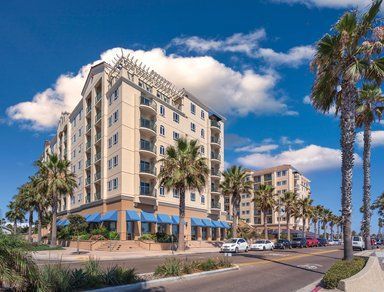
(114,138)
(283,178)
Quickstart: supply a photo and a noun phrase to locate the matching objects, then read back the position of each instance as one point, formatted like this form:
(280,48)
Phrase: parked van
(358,243)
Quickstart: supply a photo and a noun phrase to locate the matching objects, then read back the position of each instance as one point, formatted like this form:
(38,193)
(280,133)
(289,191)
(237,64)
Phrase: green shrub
(342,270)
(165,238)
(113,235)
(100,231)
(115,276)
(147,236)
(56,278)
(94,273)
(64,234)
(171,267)
(40,247)
(85,237)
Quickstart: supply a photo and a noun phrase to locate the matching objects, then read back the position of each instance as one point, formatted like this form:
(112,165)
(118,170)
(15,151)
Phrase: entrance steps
(203,244)
(119,245)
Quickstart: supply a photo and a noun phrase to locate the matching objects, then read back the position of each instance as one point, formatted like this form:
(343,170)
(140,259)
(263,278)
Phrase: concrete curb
(311,287)
(144,285)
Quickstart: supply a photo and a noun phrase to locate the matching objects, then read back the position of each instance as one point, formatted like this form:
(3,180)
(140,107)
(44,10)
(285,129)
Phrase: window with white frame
(176,135)
(202,199)
(115,138)
(162,110)
(202,150)
(202,133)
(162,130)
(79,165)
(115,183)
(110,142)
(176,117)
(193,197)
(116,116)
(193,127)
(176,193)
(115,160)
(110,121)
(80,130)
(193,108)
(162,150)
(161,191)
(202,114)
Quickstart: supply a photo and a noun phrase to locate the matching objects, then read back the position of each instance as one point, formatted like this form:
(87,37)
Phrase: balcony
(215,207)
(148,105)
(147,196)
(98,137)
(98,97)
(215,157)
(147,170)
(89,109)
(97,157)
(88,163)
(215,126)
(97,196)
(88,145)
(89,126)
(98,118)
(215,173)
(148,126)
(97,176)
(88,198)
(147,148)
(215,189)
(88,181)
(215,141)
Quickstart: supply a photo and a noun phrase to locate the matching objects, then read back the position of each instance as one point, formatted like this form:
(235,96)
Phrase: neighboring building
(127,117)
(283,178)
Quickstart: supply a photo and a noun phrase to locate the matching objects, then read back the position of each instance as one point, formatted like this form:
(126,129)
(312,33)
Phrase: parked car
(235,245)
(337,242)
(283,244)
(299,242)
(322,241)
(379,242)
(312,242)
(262,245)
(374,243)
(332,242)
(358,243)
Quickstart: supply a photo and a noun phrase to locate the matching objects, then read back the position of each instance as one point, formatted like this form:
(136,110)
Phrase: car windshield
(231,241)
(356,238)
(260,241)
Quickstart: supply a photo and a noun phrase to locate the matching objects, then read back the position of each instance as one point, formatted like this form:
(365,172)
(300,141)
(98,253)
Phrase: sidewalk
(70,255)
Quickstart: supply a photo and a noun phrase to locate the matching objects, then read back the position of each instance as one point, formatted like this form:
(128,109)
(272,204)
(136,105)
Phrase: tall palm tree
(370,108)
(332,223)
(27,200)
(343,58)
(289,202)
(380,223)
(265,201)
(58,180)
(305,206)
(324,220)
(316,215)
(234,184)
(15,213)
(183,168)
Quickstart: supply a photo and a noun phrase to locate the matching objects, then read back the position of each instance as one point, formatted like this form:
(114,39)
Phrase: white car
(358,243)
(235,245)
(262,245)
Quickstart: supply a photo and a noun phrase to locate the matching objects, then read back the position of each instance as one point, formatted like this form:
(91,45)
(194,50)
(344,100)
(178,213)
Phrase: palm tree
(15,213)
(342,59)
(316,215)
(380,224)
(305,207)
(27,200)
(265,201)
(370,108)
(324,220)
(235,183)
(289,202)
(332,222)
(57,179)
(183,168)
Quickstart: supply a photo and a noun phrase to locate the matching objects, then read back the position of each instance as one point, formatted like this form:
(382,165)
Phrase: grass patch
(342,270)
(175,267)
(45,247)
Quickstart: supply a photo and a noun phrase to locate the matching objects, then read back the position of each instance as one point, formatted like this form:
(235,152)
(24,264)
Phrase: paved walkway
(70,254)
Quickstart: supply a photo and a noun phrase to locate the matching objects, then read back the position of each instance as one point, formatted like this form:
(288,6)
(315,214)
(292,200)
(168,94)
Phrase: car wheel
(246,249)
(263,247)
(283,246)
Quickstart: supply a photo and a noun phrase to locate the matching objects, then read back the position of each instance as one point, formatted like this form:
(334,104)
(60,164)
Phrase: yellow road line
(284,259)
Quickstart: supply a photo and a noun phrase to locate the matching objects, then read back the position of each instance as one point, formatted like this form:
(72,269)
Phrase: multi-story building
(114,138)
(283,178)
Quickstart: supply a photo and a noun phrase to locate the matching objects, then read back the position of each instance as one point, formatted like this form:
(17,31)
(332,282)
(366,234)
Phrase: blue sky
(247,59)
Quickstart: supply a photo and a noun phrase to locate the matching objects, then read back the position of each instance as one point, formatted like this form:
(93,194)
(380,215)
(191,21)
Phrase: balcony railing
(216,156)
(98,97)
(89,108)
(148,102)
(97,137)
(148,146)
(144,123)
(147,169)
(215,205)
(97,156)
(97,176)
(215,140)
(229,217)
(97,196)
(214,189)
(88,181)
(88,163)
(98,117)
(88,198)
(89,126)
(150,192)
(88,145)
(215,124)
(215,172)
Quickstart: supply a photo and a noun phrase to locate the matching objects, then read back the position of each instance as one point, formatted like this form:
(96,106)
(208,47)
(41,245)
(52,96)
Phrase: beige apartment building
(127,117)
(283,178)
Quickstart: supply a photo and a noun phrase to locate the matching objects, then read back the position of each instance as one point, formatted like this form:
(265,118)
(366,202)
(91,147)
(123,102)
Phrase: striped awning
(148,217)
(109,216)
(197,222)
(94,218)
(164,218)
(207,222)
(132,216)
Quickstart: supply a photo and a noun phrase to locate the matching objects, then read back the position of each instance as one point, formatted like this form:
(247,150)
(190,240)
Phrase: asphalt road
(278,270)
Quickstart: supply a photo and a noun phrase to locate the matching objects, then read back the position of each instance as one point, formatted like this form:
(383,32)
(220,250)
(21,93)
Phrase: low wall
(370,278)
(155,246)
(86,244)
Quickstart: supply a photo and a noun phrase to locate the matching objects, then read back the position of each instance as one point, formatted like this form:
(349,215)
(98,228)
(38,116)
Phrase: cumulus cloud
(307,159)
(226,90)
(337,4)
(377,139)
(284,140)
(257,149)
(249,45)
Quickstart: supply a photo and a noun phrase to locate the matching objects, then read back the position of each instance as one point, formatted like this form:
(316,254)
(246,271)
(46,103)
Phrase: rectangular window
(202,199)
(193,127)
(202,114)
(74,154)
(110,142)
(115,138)
(176,117)
(115,183)
(162,110)
(110,185)
(116,116)
(176,193)
(115,94)
(109,163)
(193,197)
(161,190)
(115,160)
(193,108)
(80,132)
(176,136)
(110,121)
(79,165)
(74,138)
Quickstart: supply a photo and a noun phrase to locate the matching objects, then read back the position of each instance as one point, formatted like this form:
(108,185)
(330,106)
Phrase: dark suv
(322,241)
(283,244)
(299,242)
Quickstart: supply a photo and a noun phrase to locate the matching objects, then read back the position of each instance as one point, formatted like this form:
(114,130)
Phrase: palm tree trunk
(235,217)
(324,230)
(315,228)
(15,226)
(278,221)
(288,230)
(367,185)
(265,225)
(181,239)
(304,226)
(53,223)
(39,223)
(348,125)
(30,222)
(318,228)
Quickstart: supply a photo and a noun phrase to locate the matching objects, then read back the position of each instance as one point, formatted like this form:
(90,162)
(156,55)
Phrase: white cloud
(257,149)
(337,4)
(307,159)
(238,42)
(284,140)
(307,100)
(294,57)
(224,89)
(249,45)
(377,139)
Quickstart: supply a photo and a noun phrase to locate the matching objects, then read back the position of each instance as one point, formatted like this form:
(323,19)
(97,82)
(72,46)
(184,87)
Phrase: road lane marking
(284,259)
(309,266)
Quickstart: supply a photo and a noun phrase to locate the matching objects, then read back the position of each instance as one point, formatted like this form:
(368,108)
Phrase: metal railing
(89,126)
(97,156)
(88,145)
(149,124)
(88,181)
(97,176)
(98,97)
(215,205)
(98,137)
(215,140)
(214,189)
(216,156)
(215,172)
(98,117)
(88,163)
(215,124)
(150,192)
(148,102)
(147,169)
(97,196)
(148,146)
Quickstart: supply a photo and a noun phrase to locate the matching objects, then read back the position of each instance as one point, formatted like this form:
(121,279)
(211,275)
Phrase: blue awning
(148,217)
(58,222)
(217,224)
(197,222)
(175,219)
(225,224)
(164,218)
(109,216)
(64,222)
(207,222)
(94,218)
(86,216)
(132,216)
